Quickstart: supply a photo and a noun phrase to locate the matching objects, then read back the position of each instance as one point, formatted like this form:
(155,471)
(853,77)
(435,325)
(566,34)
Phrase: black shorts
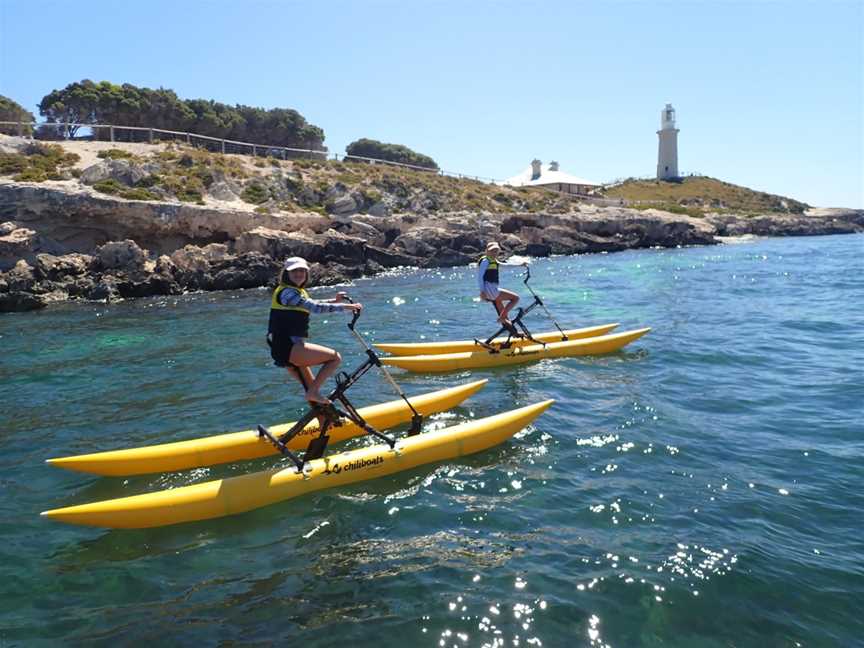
(280,349)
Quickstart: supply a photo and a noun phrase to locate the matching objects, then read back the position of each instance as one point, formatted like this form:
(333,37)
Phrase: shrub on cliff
(115,188)
(114,154)
(37,163)
(391,152)
(13,111)
(255,194)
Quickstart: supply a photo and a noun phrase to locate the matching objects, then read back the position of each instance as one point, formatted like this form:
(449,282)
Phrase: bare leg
(305,355)
(305,378)
(505,301)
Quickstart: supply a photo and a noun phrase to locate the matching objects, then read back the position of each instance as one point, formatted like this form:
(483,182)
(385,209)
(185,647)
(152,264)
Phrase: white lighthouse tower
(667,152)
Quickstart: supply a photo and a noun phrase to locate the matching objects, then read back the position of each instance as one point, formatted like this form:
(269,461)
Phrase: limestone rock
(80,286)
(448,258)
(263,240)
(425,201)
(190,259)
(20,243)
(248,270)
(165,266)
(380,208)
(215,252)
(341,248)
(155,284)
(388,259)
(53,267)
(20,278)
(537,250)
(105,290)
(361,230)
(123,171)
(223,191)
(121,255)
(424,241)
(341,204)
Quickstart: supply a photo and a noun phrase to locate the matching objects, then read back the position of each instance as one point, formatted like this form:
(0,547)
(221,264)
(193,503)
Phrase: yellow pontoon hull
(435,348)
(239,446)
(483,359)
(234,495)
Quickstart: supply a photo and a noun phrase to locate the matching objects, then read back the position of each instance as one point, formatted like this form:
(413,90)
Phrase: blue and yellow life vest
(288,320)
(491,274)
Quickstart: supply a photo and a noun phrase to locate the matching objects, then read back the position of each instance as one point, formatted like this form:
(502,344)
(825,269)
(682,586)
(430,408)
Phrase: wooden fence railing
(231,146)
(221,144)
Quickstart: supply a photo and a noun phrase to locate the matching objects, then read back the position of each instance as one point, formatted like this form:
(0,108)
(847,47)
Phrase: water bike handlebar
(356,314)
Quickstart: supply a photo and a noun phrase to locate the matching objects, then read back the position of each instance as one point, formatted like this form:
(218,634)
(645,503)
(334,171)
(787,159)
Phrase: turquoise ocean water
(704,487)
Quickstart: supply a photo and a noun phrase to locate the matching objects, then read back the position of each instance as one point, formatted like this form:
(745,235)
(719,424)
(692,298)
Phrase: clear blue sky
(769,94)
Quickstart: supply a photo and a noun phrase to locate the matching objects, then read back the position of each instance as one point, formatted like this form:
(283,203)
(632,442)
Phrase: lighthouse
(667,151)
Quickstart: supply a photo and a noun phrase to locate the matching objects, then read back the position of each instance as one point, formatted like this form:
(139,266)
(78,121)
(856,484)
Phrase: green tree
(77,103)
(13,111)
(128,105)
(391,152)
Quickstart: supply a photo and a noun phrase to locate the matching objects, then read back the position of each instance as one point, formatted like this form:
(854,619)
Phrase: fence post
(254,151)
(188,138)
(223,147)
(151,135)
(20,128)
(112,133)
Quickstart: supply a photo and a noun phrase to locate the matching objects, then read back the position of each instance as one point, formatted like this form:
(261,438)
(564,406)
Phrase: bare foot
(316,397)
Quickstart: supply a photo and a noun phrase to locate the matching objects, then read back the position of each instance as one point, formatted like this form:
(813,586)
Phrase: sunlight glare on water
(702,487)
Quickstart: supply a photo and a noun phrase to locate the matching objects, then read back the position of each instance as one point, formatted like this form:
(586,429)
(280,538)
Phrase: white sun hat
(293,263)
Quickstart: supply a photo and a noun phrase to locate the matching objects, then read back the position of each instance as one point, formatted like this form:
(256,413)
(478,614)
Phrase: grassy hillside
(698,194)
(172,172)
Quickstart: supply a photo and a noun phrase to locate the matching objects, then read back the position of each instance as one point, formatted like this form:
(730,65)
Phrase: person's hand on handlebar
(355,307)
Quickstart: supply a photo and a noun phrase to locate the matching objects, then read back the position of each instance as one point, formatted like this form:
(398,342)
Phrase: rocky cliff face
(58,244)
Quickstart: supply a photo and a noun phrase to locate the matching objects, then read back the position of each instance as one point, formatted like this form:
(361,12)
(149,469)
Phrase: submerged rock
(20,301)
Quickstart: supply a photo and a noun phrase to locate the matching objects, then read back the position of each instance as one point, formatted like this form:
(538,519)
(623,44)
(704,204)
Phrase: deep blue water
(701,488)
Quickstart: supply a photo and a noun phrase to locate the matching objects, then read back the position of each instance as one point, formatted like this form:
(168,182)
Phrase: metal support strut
(329,415)
(517,328)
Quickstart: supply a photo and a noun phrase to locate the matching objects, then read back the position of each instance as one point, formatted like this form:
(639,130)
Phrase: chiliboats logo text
(357,464)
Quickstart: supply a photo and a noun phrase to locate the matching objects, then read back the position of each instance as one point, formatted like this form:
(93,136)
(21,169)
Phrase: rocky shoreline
(58,244)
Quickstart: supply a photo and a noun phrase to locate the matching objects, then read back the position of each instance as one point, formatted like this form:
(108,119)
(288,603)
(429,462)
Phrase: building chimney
(553,165)
(535,168)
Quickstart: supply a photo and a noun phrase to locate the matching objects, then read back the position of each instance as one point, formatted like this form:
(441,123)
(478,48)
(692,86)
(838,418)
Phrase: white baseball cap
(293,263)
(492,245)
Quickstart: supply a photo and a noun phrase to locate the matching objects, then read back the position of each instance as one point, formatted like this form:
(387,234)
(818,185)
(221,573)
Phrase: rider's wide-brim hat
(293,263)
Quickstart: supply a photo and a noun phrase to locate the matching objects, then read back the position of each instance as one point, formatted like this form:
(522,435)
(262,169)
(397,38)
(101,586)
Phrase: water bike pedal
(316,448)
(492,348)
(416,425)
